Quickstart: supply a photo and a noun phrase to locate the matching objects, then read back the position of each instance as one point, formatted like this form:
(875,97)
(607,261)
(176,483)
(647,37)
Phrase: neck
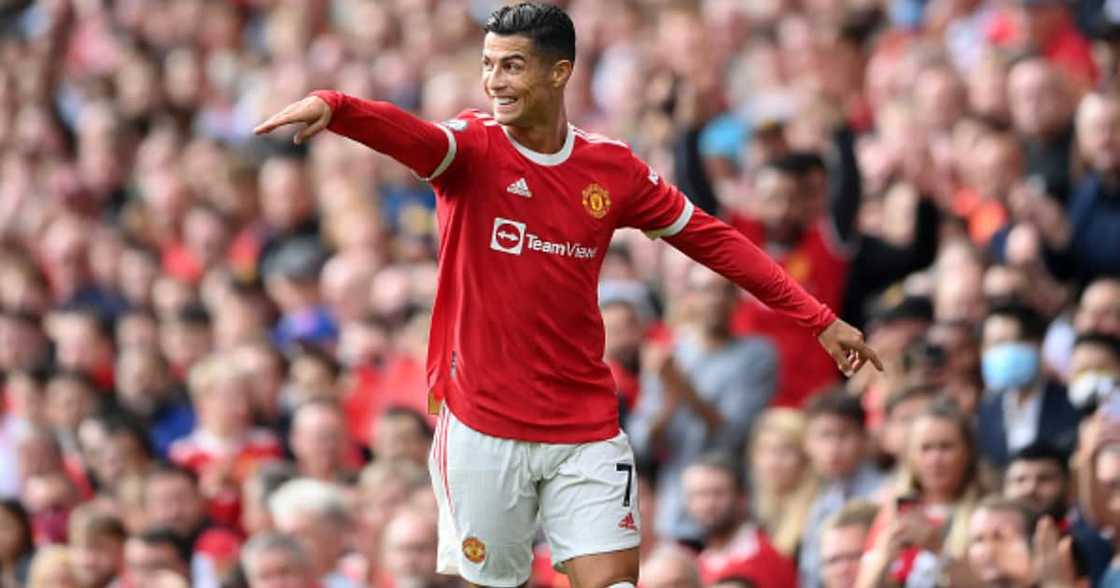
(715,337)
(546,137)
(939,498)
(720,538)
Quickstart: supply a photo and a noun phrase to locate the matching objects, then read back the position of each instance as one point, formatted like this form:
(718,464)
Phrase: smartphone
(906,503)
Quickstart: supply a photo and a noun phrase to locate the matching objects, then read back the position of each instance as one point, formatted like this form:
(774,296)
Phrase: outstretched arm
(728,252)
(425,147)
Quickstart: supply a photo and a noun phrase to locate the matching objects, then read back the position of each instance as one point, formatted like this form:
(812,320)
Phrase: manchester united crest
(474,550)
(596,201)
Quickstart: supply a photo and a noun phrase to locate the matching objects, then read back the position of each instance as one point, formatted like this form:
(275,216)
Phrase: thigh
(599,570)
(589,508)
(487,505)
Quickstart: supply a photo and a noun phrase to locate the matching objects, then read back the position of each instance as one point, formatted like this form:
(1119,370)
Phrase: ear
(561,72)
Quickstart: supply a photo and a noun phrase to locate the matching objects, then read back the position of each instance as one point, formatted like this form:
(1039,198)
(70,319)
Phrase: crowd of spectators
(212,344)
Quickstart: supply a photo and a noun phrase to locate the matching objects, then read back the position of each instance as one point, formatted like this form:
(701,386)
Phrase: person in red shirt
(527,204)
(224,448)
(733,546)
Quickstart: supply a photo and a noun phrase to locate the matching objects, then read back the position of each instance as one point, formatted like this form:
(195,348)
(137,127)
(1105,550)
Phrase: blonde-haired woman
(51,568)
(927,510)
(782,484)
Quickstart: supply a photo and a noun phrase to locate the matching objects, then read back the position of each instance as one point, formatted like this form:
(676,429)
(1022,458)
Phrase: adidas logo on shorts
(627,522)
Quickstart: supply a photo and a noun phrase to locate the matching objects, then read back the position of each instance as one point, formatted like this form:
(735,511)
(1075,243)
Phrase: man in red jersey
(527,204)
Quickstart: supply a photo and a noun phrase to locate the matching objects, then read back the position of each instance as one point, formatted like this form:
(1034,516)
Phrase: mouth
(504,103)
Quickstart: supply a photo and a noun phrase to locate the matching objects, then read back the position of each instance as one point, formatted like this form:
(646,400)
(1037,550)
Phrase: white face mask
(1090,387)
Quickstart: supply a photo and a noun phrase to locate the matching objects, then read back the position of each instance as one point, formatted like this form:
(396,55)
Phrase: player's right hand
(311,111)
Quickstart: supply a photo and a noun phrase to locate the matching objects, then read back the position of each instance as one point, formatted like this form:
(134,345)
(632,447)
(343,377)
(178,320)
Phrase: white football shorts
(493,492)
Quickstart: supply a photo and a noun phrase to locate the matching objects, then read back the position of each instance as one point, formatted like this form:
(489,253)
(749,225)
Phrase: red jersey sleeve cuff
(821,320)
(332,98)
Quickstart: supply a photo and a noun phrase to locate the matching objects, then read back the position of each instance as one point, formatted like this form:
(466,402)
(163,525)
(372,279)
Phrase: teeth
(505,101)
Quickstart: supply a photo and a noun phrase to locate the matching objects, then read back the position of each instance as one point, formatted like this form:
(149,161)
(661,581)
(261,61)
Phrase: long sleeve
(726,251)
(425,147)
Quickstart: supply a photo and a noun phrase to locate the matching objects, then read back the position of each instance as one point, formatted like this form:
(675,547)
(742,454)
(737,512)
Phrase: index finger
(868,353)
(284,117)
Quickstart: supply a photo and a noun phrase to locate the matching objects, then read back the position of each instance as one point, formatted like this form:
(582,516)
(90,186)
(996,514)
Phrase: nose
(494,80)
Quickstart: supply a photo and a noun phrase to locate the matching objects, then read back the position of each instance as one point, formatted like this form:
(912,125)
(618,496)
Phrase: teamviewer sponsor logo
(508,236)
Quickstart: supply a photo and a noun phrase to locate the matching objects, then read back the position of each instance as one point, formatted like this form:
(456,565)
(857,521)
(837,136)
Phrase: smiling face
(524,84)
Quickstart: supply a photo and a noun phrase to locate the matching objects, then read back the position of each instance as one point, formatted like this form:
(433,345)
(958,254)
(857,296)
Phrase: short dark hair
(1106,341)
(722,461)
(548,26)
(839,403)
(1032,327)
(169,470)
(908,393)
(167,537)
(1043,451)
(1027,514)
(400,411)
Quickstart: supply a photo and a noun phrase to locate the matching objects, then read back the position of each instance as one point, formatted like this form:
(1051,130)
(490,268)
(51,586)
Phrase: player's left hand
(846,346)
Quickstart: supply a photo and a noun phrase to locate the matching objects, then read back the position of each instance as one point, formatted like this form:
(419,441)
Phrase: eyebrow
(509,57)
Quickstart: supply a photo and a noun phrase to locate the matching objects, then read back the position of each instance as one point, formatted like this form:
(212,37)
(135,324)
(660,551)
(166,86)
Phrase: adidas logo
(627,522)
(520,187)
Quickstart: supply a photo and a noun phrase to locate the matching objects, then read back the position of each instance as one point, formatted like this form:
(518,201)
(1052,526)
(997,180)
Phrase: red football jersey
(516,346)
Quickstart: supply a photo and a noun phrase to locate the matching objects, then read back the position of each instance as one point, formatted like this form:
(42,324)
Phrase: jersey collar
(548,159)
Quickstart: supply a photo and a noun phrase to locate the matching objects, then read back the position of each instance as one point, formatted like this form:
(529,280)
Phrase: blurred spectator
(1085,235)
(320,444)
(782,484)
(291,278)
(622,348)
(842,540)
(402,432)
(410,551)
(1042,114)
(186,337)
(224,446)
(96,547)
(317,514)
(903,406)
(1038,476)
(51,569)
(927,510)
(272,560)
(815,253)
(23,345)
(173,502)
(17,543)
(122,450)
(255,492)
(999,550)
(837,447)
(49,498)
(716,501)
(701,395)
(1094,371)
(70,399)
(384,487)
(146,392)
(151,552)
(83,343)
(670,566)
(1023,404)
